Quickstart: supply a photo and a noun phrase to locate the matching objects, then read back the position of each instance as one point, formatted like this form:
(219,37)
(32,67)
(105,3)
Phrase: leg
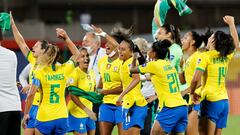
(120,129)
(37,132)
(91,132)
(133,131)
(156,129)
(29,131)
(10,122)
(211,127)
(15,120)
(203,125)
(105,128)
(192,128)
(218,131)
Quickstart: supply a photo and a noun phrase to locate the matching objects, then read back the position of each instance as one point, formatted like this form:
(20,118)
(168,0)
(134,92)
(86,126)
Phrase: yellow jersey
(165,81)
(52,90)
(216,68)
(86,82)
(134,96)
(189,69)
(109,71)
(32,60)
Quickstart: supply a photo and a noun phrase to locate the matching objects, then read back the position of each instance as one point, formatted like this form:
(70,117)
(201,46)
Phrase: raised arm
(229,20)
(19,38)
(62,34)
(100,32)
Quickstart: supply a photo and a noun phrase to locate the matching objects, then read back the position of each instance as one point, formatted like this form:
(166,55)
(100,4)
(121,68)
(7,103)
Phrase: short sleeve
(147,68)
(230,56)
(37,77)
(30,58)
(202,62)
(72,79)
(69,66)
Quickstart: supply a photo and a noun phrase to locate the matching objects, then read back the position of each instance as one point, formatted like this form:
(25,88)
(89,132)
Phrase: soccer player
(37,50)
(110,85)
(81,118)
(134,104)
(214,109)
(147,89)
(172,116)
(50,80)
(190,44)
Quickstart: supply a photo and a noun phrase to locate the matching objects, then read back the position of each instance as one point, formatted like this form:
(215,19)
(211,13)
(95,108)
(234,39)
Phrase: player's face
(83,59)
(37,49)
(109,48)
(186,41)
(162,34)
(124,51)
(151,54)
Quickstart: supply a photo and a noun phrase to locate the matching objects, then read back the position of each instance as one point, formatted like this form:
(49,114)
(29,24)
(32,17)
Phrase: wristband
(103,34)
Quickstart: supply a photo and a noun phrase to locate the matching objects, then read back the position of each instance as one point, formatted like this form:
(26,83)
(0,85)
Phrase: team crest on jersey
(108,66)
(199,60)
(88,77)
(70,81)
(115,69)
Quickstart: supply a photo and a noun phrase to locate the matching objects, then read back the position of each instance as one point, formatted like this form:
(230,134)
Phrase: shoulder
(102,51)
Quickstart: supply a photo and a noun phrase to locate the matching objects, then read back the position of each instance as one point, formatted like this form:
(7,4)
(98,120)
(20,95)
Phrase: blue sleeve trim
(36,82)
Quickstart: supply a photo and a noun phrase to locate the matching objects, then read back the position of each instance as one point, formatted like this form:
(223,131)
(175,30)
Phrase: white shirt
(94,63)
(9,94)
(147,88)
(24,75)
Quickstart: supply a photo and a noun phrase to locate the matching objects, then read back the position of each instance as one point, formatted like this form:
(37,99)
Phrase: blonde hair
(142,44)
(49,56)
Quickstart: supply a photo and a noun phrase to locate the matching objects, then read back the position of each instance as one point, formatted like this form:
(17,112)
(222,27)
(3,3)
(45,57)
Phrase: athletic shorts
(110,113)
(32,114)
(81,125)
(173,119)
(216,112)
(53,127)
(134,117)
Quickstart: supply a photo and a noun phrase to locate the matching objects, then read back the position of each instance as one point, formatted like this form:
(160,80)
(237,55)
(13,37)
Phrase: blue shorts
(56,127)
(194,107)
(134,116)
(110,113)
(173,119)
(32,114)
(81,125)
(216,112)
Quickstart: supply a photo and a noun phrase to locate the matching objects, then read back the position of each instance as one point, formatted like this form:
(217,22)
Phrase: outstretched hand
(97,29)
(228,19)
(61,33)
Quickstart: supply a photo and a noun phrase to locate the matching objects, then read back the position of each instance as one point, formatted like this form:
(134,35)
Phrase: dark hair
(198,39)
(162,49)
(206,36)
(174,31)
(122,34)
(223,43)
(44,44)
(1,35)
